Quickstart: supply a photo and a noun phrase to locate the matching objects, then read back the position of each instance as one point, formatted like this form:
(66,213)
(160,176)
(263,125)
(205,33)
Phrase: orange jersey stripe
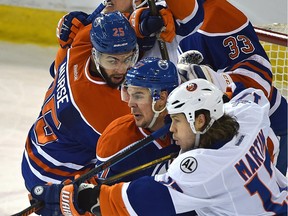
(248,82)
(270,147)
(49,169)
(248,64)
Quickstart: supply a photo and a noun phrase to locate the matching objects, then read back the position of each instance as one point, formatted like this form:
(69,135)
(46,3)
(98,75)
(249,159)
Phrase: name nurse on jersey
(62,96)
(253,160)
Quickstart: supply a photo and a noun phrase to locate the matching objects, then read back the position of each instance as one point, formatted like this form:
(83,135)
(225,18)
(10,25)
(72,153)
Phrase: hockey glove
(187,59)
(50,194)
(88,195)
(194,71)
(190,57)
(146,25)
(68,200)
(68,27)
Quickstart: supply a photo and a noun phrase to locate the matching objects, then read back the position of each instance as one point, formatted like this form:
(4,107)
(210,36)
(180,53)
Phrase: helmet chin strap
(156,114)
(96,63)
(197,140)
(198,133)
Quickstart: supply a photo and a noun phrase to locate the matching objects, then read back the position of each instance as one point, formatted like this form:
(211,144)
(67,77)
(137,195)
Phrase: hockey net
(274,39)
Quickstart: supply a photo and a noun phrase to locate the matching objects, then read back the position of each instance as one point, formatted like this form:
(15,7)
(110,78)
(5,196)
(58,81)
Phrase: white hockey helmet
(195,95)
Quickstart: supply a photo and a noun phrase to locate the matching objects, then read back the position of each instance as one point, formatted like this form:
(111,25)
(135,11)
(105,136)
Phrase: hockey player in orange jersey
(81,101)
(147,86)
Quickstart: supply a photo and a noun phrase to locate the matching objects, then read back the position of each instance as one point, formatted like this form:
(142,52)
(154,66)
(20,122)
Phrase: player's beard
(109,80)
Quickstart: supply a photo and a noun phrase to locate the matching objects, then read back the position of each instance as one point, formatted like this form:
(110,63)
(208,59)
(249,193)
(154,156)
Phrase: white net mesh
(278,54)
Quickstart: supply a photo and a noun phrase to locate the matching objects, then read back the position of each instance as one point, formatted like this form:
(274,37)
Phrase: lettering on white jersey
(253,159)
(61,96)
(188,164)
(240,101)
(239,140)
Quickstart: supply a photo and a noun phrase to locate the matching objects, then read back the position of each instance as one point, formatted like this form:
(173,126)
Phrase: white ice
(24,78)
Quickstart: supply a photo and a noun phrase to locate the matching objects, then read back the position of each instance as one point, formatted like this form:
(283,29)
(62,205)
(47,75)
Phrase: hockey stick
(145,166)
(161,43)
(134,147)
(111,180)
(97,11)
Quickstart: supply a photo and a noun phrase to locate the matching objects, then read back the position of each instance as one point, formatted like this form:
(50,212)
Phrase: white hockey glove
(190,57)
(193,71)
(189,68)
(185,60)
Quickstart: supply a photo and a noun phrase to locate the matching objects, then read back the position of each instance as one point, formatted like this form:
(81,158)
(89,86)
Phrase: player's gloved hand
(185,60)
(50,195)
(169,32)
(194,71)
(146,25)
(88,195)
(69,25)
(190,57)
(68,200)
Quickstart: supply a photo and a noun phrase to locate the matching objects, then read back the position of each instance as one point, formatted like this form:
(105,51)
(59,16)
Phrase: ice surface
(24,78)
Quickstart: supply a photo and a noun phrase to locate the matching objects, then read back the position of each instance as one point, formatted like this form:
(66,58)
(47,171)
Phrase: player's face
(139,100)
(124,6)
(114,67)
(182,132)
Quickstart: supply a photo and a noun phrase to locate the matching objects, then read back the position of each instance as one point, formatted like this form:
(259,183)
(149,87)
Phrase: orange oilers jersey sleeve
(221,17)
(119,135)
(181,9)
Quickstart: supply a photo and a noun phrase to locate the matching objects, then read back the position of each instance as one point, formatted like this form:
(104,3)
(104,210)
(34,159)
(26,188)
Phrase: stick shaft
(150,164)
(136,146)
(161,44)
(97,11)
(112,161)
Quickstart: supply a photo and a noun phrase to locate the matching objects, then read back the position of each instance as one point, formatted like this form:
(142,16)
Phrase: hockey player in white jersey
(223,168)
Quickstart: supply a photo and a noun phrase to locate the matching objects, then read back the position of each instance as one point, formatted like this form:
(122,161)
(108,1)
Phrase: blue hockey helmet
(112,33)
(155,74)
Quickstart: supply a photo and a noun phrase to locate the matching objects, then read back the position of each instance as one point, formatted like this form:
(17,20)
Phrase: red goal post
(274,39)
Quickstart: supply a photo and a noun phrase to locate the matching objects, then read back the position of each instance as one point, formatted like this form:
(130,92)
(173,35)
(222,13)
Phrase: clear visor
(116,61)
(135,94)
